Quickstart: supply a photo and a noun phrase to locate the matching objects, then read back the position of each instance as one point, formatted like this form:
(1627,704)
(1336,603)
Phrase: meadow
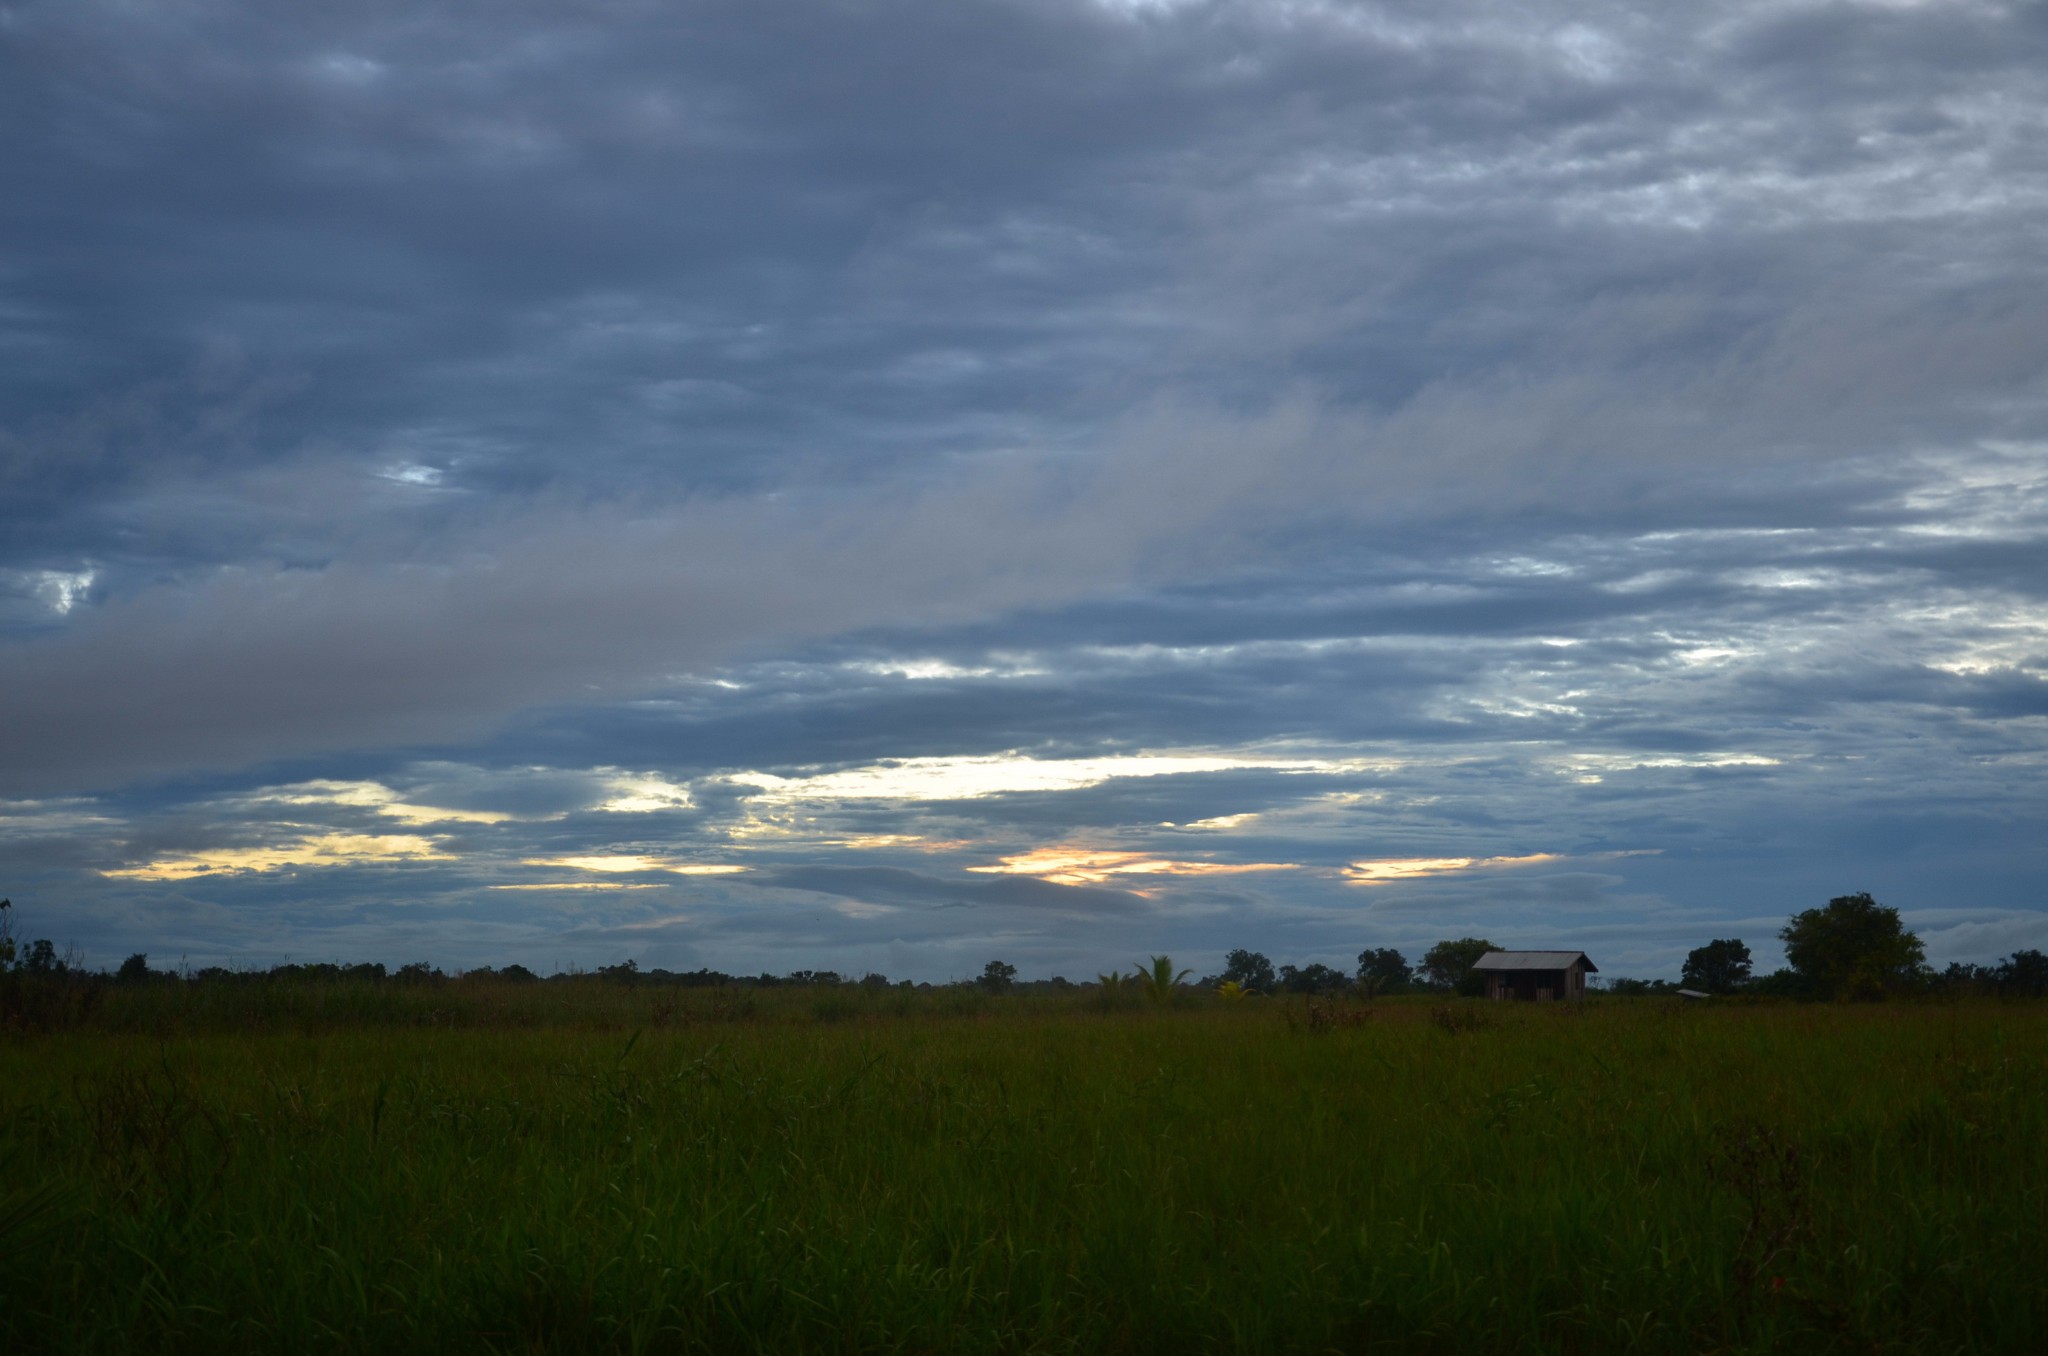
(589,1167)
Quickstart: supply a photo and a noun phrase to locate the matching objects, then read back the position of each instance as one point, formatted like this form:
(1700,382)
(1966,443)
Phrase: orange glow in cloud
(617,863)
(584,885)
(1386,869)
(325,849)
(915,842)
(614,862)
(1087,866)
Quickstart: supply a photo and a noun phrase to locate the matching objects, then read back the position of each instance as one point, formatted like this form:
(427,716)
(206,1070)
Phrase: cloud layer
(1601,445)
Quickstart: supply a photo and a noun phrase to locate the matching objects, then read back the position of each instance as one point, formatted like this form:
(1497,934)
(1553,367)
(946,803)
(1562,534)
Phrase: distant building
(1535,976)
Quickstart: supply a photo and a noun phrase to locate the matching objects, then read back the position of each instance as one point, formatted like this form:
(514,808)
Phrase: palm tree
(1160,982)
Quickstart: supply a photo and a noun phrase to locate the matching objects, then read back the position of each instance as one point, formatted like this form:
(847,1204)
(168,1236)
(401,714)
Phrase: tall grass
(1031,1176)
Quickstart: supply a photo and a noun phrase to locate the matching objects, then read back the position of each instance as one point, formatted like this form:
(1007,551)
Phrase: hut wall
(1536,986)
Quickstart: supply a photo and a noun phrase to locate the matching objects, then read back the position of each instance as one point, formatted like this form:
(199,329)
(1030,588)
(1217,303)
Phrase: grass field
(576,1167)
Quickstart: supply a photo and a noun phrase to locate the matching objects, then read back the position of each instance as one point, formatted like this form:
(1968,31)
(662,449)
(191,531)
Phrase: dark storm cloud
(656,252)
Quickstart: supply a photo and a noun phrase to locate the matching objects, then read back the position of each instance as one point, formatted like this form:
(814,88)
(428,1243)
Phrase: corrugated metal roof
(1533,960)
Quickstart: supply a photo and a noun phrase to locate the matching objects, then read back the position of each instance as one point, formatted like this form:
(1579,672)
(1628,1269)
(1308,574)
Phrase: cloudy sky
(890,484)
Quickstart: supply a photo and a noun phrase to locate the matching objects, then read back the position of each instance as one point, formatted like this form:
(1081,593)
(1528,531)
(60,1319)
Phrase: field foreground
(1039,1177)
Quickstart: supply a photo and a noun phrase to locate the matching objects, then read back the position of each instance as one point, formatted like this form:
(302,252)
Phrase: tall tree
(41,958)
(1250,969)
(1721,966)
(2023,974)
(1448,964)
(1853,948)
(1383,970)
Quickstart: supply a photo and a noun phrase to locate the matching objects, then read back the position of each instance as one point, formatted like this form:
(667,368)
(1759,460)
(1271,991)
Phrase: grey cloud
(477,401)
(1948,938)
(890,885)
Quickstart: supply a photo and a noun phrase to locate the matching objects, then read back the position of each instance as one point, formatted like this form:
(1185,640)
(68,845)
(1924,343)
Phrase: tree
(2023,974)
(997,977)
(41,958)
(1721,966)
(1159,981)
(1853,948)
(1448,965)
(134,970)
(6,935)
(1314,978)
(1248,969)
(1383,970)
(1964,977)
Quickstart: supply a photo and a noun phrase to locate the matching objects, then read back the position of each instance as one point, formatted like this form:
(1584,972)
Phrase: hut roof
(1533,960)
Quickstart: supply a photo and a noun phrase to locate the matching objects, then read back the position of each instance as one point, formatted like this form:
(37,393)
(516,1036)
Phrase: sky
(886,485)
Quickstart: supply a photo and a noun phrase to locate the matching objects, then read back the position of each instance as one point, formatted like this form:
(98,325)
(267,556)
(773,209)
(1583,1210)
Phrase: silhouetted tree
(997,976)
(814,977)
(134,970)
(1721,966)
(1383,970)
(1962,976)
(1448,965)
(1313,978)
(1250,969)
(41,958)
(1853,948)
(2024,974)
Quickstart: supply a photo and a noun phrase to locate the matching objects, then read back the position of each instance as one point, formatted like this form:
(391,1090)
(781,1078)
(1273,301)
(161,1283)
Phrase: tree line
(1853,948)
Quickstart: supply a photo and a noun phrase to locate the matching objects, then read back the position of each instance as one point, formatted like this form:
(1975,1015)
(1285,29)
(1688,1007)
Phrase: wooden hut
(1535,976)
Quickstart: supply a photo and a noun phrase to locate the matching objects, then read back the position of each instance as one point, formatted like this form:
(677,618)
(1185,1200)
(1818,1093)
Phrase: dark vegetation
(1721,966)
(1852,949)
(321,1158)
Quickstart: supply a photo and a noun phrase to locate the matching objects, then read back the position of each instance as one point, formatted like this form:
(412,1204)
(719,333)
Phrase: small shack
(1535,976)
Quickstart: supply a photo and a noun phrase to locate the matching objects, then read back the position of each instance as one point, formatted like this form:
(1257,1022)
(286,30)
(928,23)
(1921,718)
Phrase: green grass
(568,1168)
